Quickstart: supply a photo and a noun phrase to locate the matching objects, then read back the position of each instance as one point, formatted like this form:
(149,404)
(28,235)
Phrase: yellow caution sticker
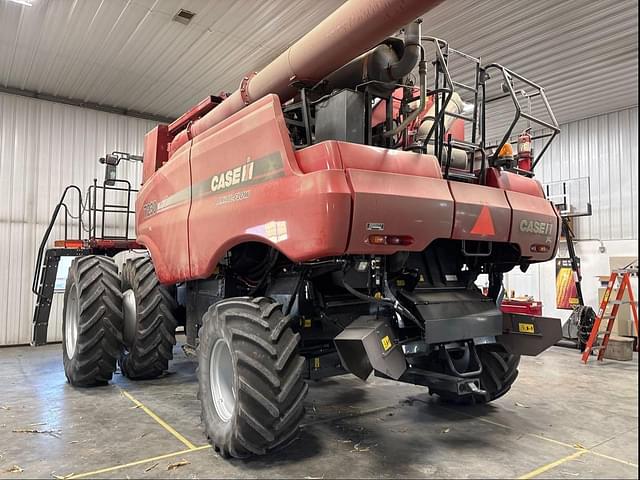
(316,363)
(400,283)
(386,343)
(526,328)
(307,323)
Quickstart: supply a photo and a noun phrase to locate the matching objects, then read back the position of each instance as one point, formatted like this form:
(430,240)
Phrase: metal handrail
(447,89)
(105,208)
(45,238)
(508,75)
(91,197)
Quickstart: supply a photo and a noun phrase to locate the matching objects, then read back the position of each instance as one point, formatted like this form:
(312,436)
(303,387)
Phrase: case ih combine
(330,216)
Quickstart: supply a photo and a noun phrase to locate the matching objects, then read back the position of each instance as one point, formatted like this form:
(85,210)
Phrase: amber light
(390,240)
(506,151)
(540,248)
(68,244)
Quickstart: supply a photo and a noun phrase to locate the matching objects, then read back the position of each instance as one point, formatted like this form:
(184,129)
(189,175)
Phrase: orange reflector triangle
(484,223)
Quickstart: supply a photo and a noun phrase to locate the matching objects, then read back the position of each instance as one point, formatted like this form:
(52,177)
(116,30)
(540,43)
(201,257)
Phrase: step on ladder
(43,287)
(625,283)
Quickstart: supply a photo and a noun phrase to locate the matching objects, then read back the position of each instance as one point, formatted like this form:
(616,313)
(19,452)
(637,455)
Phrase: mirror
(109,174)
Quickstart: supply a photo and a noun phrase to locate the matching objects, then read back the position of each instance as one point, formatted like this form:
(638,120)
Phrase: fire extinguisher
(524,150)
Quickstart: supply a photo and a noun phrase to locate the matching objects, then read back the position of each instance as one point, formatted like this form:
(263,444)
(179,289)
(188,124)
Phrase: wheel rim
(130,316)
(221,380)
(71,324)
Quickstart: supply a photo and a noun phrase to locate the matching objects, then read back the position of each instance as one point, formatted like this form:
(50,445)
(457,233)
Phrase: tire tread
(271,389)
(100,321)
(152,349)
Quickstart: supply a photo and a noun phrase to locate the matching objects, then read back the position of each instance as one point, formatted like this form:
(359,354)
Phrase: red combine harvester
(328,217)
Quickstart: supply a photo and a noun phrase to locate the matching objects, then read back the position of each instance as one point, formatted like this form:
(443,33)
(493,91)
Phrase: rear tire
(149,323)
(92,321)
(499,371)
(250,377)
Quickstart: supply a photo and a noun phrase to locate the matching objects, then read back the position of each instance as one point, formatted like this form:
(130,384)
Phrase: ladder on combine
(624,284)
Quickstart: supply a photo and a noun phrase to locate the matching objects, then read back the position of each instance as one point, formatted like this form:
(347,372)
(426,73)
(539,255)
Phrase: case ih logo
(535,227)
(232,177)
(252,172)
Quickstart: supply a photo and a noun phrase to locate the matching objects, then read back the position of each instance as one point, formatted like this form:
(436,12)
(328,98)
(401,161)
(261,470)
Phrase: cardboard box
(619,348)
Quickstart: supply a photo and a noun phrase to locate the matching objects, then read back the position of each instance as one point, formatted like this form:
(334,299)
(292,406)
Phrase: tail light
(539,248)
(390,239)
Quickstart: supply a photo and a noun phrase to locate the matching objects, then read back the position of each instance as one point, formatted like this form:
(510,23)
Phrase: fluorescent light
(26,3)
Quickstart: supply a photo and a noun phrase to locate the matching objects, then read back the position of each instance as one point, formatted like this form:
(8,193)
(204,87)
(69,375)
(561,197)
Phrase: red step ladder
(625,283)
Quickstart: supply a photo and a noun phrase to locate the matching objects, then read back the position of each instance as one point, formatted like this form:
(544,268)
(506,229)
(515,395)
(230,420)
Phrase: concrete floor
(562,419)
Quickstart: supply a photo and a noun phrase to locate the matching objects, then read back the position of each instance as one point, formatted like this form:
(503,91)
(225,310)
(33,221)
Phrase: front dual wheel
(103,326)
(149,310)
(250,377)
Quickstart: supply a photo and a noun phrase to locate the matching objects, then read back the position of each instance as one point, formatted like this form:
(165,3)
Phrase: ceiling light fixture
(25,3)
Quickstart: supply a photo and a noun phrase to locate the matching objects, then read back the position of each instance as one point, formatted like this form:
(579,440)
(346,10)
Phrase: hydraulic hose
(397,306)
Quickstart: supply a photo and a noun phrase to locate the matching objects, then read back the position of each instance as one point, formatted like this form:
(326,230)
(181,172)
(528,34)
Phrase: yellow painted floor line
(547,439)
(138,462)
(549,466)
(557,442)
(160,421)
(619,460)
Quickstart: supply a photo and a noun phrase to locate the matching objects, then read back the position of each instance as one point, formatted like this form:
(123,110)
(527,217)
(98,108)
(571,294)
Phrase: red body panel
(163,228)
(511,181)
(471,200)
(337,155)
(418,207)
(530,209)
(155,151)
(241,181)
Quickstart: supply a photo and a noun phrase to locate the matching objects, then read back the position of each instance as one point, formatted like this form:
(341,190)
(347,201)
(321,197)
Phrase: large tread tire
(499,372)
(268,382)
(93,294)
(148,352)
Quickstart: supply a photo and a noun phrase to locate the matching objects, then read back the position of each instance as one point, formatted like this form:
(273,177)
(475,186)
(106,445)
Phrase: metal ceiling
(130,55)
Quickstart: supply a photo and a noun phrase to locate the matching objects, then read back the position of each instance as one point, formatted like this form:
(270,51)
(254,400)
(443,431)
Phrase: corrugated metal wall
(45,146)
(604,148)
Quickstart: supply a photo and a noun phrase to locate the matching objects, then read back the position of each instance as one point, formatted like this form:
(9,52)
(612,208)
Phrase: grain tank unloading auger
(310,227)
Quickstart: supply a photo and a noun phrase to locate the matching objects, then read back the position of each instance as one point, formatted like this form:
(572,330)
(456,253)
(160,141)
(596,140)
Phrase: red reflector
(390,240)
(538,248)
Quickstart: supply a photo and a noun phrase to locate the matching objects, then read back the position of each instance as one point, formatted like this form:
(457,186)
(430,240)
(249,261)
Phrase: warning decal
(484,223)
